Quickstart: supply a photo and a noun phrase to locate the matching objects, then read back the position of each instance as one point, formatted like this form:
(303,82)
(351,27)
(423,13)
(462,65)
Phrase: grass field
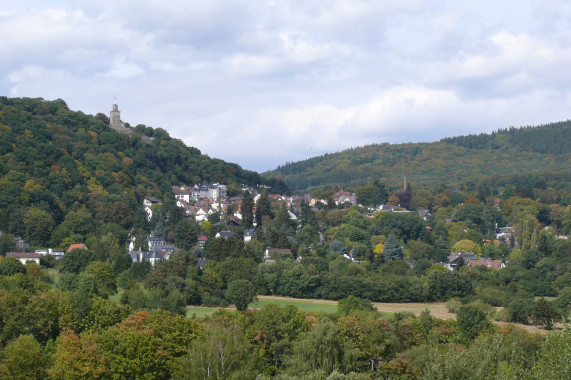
(316,306)
(326,306)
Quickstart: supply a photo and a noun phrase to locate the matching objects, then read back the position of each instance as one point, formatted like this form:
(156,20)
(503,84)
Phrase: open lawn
(326,306)
(316,306)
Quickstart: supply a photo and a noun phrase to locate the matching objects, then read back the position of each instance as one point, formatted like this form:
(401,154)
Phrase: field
(326,306)
(316,306)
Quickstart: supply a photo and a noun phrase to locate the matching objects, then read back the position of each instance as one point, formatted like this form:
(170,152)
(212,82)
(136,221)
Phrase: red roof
(75,246)
(202,238)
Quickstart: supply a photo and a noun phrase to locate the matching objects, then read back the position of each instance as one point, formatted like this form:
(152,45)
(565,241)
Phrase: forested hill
(58,160)
(543,151)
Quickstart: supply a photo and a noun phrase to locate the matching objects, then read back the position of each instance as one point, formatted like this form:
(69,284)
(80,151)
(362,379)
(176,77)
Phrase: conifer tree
(392,249)
(263,208)
(247,209)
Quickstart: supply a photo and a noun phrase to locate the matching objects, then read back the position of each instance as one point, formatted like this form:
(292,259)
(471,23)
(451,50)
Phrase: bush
(453,306)
(9,266)
(352,304)
(471,322)
(520,310)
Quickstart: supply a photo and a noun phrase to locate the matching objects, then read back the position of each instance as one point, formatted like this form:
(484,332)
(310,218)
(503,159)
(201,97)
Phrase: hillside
(54,161)
(539,151)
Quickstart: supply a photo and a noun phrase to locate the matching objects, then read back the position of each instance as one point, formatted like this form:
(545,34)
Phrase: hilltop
(542,151)
(55,161)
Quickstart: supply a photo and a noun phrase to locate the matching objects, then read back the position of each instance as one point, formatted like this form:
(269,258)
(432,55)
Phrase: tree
(555,357)
(467,246)
(247,209)
(544,313)
(39,225)
(322,348)
(367,195)
(444,284)
(520,310)
(76,261)
(408,225)
(263,208)
(392,249)
(6,243)
(223,353)
(471,322)
(103,277)
(78,357)
(241,293)
(9,266)
(352,304)
(103,314)
(186,234)
(23,359)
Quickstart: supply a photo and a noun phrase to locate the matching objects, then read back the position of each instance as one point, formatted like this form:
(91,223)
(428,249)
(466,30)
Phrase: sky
(265,82)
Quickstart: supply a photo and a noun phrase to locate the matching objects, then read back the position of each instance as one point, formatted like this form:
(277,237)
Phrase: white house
(25,257)
(148,203)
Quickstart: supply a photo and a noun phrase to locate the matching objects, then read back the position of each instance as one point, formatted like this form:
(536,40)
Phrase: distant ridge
(527,151)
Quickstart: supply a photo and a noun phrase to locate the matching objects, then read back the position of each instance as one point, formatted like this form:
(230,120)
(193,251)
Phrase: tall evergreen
(247,209)
(392,249)
(263,208)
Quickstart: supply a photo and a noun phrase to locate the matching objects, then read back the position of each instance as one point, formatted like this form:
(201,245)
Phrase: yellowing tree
(466,245)
(378,249)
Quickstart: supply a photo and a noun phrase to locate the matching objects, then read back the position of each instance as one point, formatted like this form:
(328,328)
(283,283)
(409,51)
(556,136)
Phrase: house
(424,213)
(155,242)
(148,203)
(504,233)
(202,239)
(49,251)
(164,250)
(342,197)
(445,265)
(272,253)
(387,208)
(249,234)
(225,234)
(25,257)
(20,244)
(201,262)
(488,263)
(210,191)
(292,216)
(183,193)
(140,256)
(454,258)
(75,246)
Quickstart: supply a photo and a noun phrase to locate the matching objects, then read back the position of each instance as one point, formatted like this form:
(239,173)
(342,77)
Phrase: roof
(23,255)
(225,234)
(75,246)
(202,237)
(492,264)
(279,250)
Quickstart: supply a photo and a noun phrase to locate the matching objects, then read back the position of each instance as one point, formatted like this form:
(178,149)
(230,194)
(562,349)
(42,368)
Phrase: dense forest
(66,178)
(503,155)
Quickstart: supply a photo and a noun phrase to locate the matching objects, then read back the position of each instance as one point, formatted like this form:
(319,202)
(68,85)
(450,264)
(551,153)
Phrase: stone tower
(115,119)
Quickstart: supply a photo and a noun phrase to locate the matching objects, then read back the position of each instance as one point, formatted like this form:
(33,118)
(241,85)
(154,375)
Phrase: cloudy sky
(262,82)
